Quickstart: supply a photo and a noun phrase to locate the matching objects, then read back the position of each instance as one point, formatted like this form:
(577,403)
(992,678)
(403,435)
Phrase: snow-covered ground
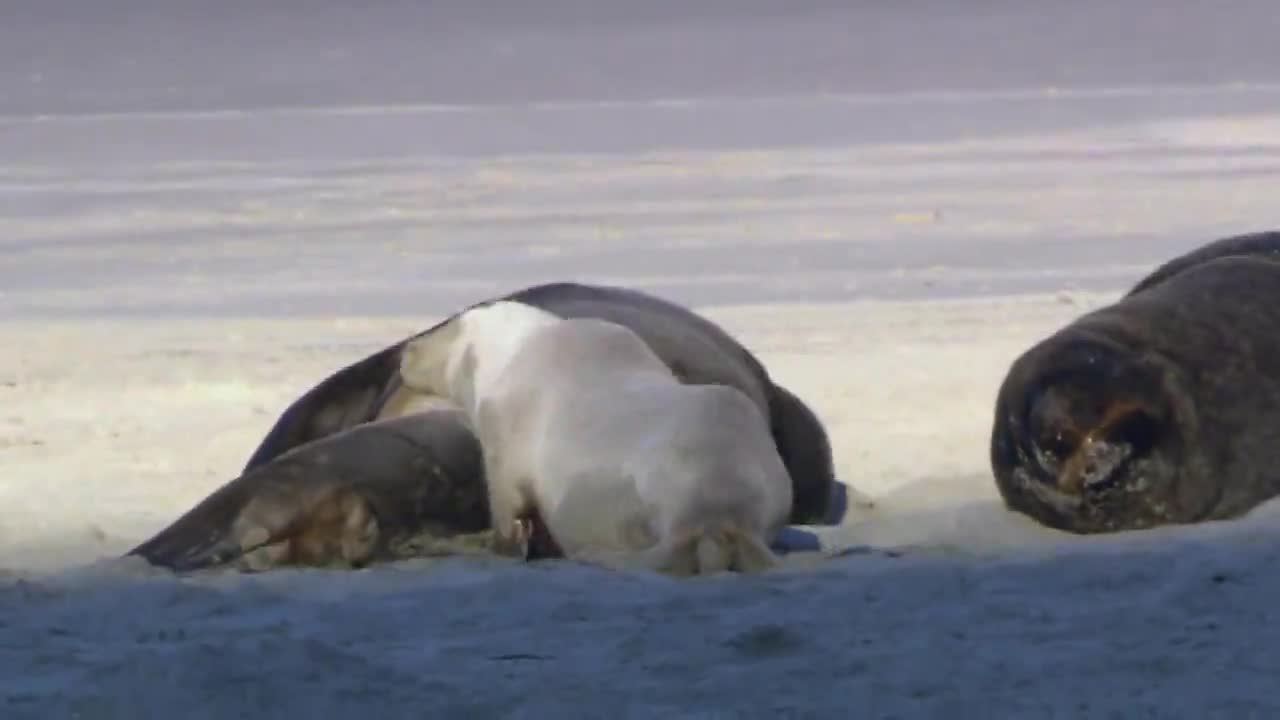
(175,267)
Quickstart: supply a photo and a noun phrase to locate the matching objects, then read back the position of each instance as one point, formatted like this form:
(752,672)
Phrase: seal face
(1086,440)
(1162,408)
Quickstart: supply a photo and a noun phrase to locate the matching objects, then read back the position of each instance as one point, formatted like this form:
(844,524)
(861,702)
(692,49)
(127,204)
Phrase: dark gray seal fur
(365,495)
(1162,408)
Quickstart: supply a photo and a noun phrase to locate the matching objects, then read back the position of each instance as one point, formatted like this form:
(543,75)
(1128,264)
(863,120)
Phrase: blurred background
(395,156)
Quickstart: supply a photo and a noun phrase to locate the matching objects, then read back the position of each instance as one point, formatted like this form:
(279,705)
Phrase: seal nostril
(1139,430)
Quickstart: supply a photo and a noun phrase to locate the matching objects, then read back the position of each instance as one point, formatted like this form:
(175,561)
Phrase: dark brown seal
(1162,408)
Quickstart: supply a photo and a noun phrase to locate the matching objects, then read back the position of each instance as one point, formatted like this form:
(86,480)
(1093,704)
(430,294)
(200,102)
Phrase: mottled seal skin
(1162,408)
(697,351)
(347,500)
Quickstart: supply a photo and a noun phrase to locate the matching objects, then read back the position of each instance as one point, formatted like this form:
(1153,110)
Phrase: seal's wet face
(1088,448)
(1087,445)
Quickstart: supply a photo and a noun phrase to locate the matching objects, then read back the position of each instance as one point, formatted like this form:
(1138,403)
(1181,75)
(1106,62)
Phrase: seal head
(1089,437)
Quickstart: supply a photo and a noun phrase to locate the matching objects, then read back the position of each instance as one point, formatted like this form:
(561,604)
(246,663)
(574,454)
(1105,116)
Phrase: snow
(172,274)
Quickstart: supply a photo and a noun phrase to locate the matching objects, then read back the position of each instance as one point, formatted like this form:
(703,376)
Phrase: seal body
(586,433)
(353,498)
(1162,408)
(1260,245)
(695,350)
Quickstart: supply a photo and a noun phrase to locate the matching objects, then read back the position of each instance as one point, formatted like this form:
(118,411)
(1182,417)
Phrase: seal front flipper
(348,499)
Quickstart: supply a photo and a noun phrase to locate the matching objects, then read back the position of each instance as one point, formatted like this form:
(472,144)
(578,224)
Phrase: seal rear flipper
(727,549)
(343,500)
(283,513)
(338,527)
(203,536)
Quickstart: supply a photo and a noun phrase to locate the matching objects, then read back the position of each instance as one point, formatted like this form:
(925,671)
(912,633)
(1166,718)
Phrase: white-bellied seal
(695,349)
(349,499)
(1162,408)
(589,439)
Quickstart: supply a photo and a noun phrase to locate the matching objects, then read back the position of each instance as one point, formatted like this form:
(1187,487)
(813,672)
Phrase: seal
(1262,245)
(696,350)
(370,391)
(595,451)
(1159,409)
(365,495)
